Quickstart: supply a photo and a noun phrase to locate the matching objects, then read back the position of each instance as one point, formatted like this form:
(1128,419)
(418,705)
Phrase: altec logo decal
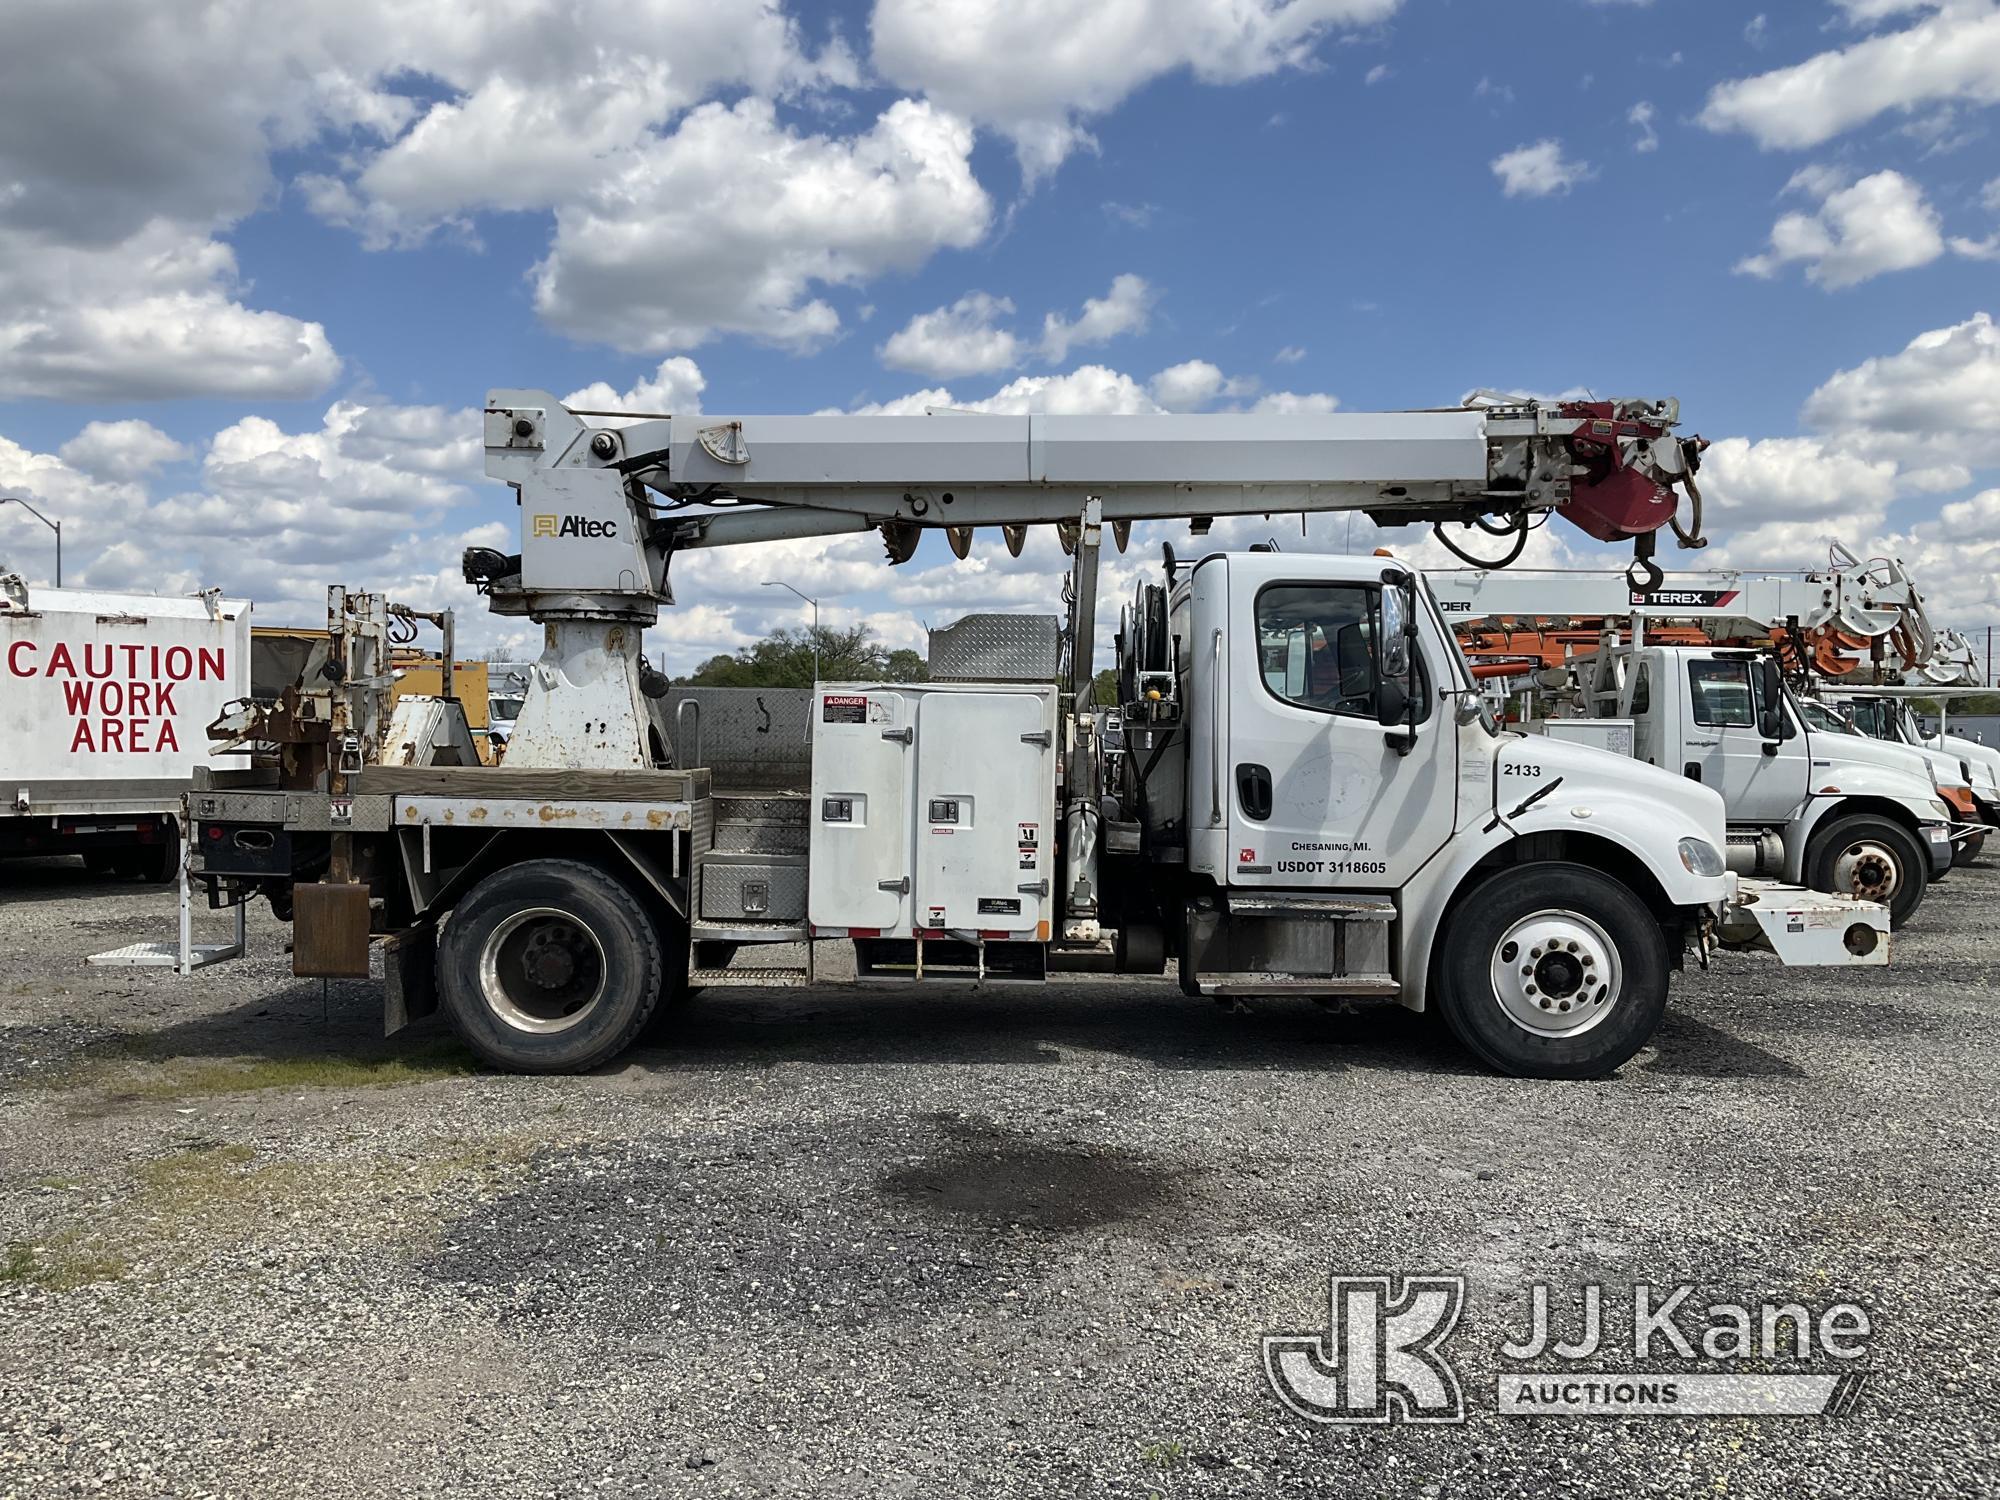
(561,526)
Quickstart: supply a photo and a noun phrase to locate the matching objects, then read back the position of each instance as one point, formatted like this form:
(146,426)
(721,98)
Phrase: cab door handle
(1253,790)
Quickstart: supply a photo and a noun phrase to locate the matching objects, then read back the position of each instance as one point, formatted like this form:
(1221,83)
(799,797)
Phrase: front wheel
(550,966)
(1553,971)
(1871,857)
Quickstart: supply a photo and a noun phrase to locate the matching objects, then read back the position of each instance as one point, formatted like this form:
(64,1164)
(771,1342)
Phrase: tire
(158,864)
(1522,966)
(98,861)
(1872,857)
(125,863)
(1968,850)
(550,966)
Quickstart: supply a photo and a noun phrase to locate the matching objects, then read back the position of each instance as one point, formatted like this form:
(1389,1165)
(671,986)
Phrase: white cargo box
(1614,735)
(932,810)
(108,697)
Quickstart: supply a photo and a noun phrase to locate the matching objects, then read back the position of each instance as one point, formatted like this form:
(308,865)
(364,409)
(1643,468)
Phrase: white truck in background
(108,698)
(1832,811)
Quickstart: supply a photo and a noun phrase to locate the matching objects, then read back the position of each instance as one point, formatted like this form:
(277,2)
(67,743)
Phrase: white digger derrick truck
(1691,676)
(1310,799)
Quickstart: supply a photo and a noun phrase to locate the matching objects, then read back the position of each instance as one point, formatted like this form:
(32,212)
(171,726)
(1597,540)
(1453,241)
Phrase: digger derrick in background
(1852,621)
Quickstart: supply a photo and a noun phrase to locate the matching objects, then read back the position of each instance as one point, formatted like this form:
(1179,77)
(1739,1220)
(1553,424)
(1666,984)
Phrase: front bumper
(1938,844)
(1802,928)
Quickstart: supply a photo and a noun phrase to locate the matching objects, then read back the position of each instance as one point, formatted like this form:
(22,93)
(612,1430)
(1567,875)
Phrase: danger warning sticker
(844,708)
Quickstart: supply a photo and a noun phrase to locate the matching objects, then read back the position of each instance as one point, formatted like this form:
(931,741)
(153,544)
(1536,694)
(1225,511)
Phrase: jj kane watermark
(1387,1354)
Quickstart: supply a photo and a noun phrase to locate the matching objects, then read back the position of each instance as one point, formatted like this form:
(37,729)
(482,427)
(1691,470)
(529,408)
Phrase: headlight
(1701,857)
(1940,809)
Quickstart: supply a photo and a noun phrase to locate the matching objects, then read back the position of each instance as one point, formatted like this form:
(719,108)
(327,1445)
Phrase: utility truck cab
(1355,823)
(1892,721)
(1833,811)
(1964,784)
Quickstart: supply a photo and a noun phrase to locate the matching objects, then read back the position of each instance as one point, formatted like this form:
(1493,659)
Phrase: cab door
(1760,782)
(1313,790)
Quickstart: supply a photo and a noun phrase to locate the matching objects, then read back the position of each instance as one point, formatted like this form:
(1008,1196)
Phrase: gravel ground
(833,1244)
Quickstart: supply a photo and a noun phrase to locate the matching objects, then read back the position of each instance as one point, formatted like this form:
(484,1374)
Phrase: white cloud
(130,449)
(1293,403)
(1755,31)
(1641,115)
(1860,230)
(966,338)
(1935,402)
(780,213)
(150,316)
(1038,72)
(1539,170)
(1124,309)
(1291,354)
(961,339)
(1377,74)
(1193,384)
(1745,483)
(1951,54)
(674,390)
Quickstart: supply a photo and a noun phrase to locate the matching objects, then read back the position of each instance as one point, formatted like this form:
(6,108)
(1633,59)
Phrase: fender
(1639,809)
(1849,779)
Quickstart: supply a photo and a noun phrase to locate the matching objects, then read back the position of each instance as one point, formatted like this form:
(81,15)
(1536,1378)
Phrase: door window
(1720,693)
(1642,692)
(1316,647)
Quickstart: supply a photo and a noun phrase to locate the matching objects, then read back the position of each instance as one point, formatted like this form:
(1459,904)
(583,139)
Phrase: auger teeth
(1017,538)
(1067,533)
(959,538)
(1121,533)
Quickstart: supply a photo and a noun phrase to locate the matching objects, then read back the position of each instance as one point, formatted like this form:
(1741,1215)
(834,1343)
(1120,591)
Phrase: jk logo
(1378,1361)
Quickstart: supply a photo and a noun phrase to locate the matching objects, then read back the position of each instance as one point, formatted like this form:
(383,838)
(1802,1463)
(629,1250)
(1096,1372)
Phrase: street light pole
(778,583)
(55,526)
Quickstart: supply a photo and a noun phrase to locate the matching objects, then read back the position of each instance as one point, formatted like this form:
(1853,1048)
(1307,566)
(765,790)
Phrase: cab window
(1642,692)
(1316,647)
(1720,694)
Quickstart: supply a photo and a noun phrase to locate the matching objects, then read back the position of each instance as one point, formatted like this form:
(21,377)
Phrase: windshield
(1819,716)
(1871,717)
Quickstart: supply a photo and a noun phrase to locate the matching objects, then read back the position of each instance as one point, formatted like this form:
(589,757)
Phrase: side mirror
(1771,700)
(1396,627)
(1392,702)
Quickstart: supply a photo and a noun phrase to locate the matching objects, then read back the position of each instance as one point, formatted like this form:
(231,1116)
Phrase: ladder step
(1356,985)
(734,978)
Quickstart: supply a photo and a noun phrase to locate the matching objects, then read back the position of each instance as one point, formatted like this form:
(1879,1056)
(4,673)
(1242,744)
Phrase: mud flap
(409,970)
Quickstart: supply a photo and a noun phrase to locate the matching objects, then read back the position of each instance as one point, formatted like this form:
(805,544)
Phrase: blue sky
(243,329)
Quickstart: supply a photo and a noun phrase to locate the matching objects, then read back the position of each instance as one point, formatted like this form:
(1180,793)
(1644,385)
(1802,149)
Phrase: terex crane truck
(1311,800)
(1836,812)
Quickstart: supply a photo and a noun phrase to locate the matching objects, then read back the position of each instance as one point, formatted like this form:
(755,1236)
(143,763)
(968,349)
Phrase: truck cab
(1961,782)
(1337,814)
(1835,812)
(1967,763)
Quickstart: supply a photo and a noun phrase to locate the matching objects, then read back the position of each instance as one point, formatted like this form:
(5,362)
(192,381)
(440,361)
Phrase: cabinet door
(985,856)
(861,789)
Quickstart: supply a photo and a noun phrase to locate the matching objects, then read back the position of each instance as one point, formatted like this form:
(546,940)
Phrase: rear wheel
(1553,971)
(1873,858)
(160,862)
(550,966)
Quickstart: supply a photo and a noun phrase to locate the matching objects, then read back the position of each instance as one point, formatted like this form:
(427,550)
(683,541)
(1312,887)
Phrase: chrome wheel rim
(541,971)
(1556,973)
(1869,869)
